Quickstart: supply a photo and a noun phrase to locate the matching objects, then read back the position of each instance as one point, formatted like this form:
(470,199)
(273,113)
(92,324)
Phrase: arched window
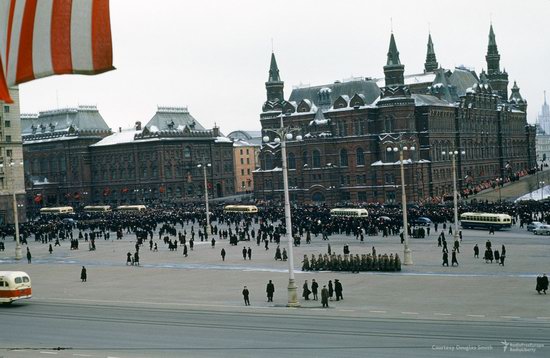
(343,158)
(187,152)
(360,155)
(316,158)
(305,160)
(291,161)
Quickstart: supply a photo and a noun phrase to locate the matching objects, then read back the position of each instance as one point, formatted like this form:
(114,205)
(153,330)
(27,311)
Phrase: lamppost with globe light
(453,154)
(400,146)
(204,166)
(283,134)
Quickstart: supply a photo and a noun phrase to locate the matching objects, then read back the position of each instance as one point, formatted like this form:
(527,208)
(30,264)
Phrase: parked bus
(485,221)
(246,209)
(14,285)
(131,208)
(349,212)
(57,210)
(97,209)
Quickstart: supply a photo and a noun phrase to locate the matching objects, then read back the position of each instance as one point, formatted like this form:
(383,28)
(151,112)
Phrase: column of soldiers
(353,263)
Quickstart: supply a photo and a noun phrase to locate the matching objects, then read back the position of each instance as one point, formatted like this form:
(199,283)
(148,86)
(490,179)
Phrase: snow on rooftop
(125,136)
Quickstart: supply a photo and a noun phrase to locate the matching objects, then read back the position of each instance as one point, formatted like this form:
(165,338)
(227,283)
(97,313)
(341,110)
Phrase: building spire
(393,54)
(545,97)
(492,57)
(274,86)
(431,61)
(273,70)
(393,71)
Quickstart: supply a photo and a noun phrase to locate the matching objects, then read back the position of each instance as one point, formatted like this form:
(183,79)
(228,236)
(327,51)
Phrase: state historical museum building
(347,128)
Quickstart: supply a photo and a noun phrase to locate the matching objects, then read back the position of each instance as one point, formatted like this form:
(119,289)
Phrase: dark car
(421,221)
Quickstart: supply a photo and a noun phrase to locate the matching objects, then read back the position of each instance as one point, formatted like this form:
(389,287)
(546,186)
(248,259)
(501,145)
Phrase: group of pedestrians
(328,291)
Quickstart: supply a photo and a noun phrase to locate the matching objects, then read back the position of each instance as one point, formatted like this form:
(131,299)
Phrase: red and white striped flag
(40,38)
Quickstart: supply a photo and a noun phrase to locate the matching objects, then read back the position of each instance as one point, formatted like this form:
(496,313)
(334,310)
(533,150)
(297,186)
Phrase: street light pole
(18,249)
(407,255)
(453,155)
(541,185)
(282,135)
(206,195)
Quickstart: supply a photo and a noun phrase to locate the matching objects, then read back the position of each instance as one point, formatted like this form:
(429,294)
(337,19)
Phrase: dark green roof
(367,88)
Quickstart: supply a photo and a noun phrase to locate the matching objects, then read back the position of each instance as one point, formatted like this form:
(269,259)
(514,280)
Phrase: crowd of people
(178,227)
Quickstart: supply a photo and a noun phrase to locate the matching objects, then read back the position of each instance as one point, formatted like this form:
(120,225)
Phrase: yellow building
(246,148)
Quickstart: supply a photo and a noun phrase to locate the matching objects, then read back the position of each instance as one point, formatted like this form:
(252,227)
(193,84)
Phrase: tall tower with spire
(274,86)
(543,119)
(431,62)
(393,71)
(497,78)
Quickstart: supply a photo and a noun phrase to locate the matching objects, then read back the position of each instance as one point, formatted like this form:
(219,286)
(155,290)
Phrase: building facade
(348,127)
(246,150)
(73,158)
(11,161)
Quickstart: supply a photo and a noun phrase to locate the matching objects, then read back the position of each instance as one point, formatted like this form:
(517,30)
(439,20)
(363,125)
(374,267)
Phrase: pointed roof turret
(492,41)
(393,54)
(393,71)
(515,96)
(274,86)
(273,70)
(431,61)
(492,57)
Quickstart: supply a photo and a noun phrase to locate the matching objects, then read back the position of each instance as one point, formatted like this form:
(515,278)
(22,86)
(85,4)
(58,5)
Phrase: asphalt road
(36,328)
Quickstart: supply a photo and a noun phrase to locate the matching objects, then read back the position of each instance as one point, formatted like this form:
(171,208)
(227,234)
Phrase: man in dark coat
(83,274)
(270,289)
(453,258)
(539,284)
(29,256)
(476,251)
(244,253)
(544,283)
(249,253)
(314,288)
(338,289)
(330,289)
(445,259)
(324,296)
(185,249)
(246,293)
(223,254)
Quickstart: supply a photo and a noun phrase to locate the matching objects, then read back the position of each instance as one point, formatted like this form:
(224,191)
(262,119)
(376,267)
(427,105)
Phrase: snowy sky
(213,55)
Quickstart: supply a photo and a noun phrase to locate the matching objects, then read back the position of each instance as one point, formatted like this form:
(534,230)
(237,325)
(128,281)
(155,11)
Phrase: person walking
(136,258)
(223,254)
(244,253)
(29,256)
(445,259)
(502,257)
(270,289)
(128,258)
(83,274)
(249,253)
(453,258)
(476,251)
(314,288)
(213,243)
(185,248)
(330,289)
(246,294)
(191,244)
(338,289)
(305,292)
(50,249)
(324,296)
(539,284)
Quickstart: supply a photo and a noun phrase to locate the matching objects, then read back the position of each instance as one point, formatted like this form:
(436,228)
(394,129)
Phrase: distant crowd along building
(348,126)
(72,157)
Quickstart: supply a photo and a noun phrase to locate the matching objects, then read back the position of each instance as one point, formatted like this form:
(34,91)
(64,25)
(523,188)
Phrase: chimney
(216,131)
(138,126)
(119,129)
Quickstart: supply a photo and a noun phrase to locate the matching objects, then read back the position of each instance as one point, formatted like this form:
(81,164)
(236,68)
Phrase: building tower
(431,62)
(517,99)
(497,78)
(543,119)
(393,71)
(274,86)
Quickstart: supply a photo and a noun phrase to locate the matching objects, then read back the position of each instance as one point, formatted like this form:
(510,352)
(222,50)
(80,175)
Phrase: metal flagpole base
(292,294)
(18,252)
(407,259)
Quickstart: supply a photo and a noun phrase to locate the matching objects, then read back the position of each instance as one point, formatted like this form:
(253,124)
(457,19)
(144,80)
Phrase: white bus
(485,221)
(349,212)
(131,208)
(247,209)
(57,210)
(97,208)
(14,285)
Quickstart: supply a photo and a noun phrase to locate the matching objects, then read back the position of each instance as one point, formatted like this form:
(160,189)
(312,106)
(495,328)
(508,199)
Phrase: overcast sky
(213,56)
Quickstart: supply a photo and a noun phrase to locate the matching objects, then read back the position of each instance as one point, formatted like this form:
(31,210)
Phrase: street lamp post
(407,256)
(18,249)
(453,155)
(541,185)
(204,166)
(281,136)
